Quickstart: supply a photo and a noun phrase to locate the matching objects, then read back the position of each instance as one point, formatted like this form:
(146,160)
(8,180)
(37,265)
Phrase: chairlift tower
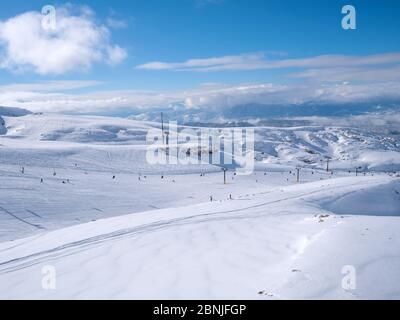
(225,170)
(162,127)
(327,164)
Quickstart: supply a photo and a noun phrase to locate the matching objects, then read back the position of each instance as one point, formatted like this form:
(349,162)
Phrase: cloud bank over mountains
(299,86)
(325,80)
(211,99)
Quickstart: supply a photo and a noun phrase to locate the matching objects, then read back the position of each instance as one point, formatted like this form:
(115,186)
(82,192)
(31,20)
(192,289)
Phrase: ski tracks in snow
(21,219)
(85,244)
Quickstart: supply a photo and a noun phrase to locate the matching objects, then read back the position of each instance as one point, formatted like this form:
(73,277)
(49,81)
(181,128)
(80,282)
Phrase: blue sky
(245,35)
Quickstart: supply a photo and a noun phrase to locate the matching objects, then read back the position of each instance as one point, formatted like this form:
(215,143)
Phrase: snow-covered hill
(10,112)
(305,146)
(275,244)
(13,112)
(77,193)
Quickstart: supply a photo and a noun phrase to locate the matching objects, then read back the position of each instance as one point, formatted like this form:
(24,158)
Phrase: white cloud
(115,55)
(208,64)
(77,42)
(258,61)
(369,74)
(116,23)
(48,86)
(212,97)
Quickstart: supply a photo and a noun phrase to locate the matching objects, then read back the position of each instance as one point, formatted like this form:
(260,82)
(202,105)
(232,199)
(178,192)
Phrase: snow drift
(381,200)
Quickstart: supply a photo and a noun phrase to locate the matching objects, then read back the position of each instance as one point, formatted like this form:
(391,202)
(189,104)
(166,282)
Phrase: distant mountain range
(304,110)
(259,114)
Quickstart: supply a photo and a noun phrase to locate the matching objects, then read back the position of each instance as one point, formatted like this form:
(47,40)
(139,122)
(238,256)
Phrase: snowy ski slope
(152,231)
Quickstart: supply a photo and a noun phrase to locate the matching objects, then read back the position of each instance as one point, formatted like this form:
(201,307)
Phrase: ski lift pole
(162,126)
(225,170)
